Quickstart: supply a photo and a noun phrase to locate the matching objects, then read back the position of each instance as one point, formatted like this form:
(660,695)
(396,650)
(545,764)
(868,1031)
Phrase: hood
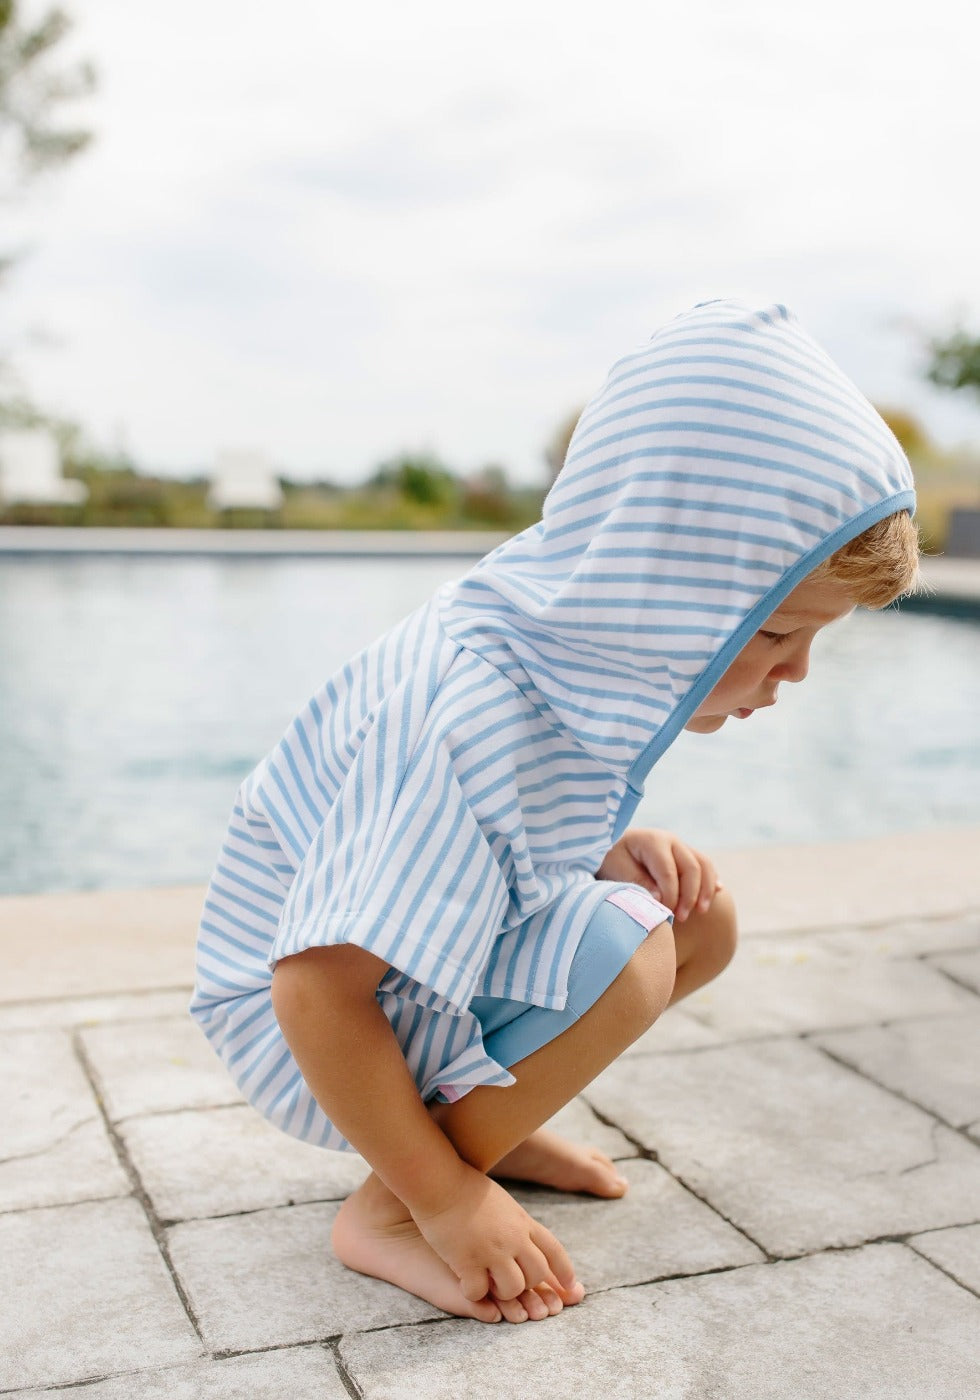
(716,467)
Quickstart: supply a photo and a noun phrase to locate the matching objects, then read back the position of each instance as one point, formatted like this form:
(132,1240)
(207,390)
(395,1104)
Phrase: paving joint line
(59,1141)
(941,1268)
(190,1108)
(649,1155)
(168,1223)
(765,1037)
(951,976)
(29,1003)
(346,1379)
(64,1205)
(885,1023)
(139,1190)
(44,1388)
(943,916)
(675,1278)
(939,1120)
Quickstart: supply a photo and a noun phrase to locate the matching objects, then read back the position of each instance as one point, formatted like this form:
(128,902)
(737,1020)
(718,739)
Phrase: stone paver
(92,1011)
(916,938)
(54,1145)
(229,1160)
(153,1066)
(576,1120)
(301,1373)
(655,1231)
(676,1030)
(795,1150)
(794,985)
(964,967)
(83,1293)
(935,1062)
(957,1251)
(872,1322)
(269,1279)
(198,1164)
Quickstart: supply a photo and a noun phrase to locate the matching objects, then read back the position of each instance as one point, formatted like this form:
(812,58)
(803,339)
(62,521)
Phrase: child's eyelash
(777,638)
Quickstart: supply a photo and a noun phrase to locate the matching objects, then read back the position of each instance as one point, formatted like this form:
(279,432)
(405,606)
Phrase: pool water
(135,694)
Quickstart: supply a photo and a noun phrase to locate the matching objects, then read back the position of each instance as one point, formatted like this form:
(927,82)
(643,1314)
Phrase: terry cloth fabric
(445,800)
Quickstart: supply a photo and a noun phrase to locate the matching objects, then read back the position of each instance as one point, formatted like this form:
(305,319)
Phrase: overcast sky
(334,231)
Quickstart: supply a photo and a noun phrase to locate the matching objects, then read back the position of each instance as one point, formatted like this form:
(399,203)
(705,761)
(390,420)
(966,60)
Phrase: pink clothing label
(639,906)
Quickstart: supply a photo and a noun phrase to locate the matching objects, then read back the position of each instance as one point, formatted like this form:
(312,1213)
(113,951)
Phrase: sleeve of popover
(402,868)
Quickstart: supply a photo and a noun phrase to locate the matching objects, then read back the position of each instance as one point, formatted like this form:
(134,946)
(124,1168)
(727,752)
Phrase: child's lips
(747,710)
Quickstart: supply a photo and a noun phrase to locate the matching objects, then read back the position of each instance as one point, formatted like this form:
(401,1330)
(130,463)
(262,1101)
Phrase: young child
(429,927)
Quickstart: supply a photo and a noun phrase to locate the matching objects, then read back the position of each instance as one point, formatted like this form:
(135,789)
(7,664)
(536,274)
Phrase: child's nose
(796,666)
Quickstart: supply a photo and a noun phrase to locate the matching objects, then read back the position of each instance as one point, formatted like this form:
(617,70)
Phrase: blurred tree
(557,449)
(911,434)
(30,93)
(955,362)
(487,498)
(423,480)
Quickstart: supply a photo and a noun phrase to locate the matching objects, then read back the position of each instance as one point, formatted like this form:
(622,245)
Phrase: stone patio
(802,1141)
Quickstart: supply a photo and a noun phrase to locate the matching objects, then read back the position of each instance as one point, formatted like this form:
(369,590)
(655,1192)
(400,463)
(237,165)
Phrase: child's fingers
(536,1268)
(689,874)
(652,850)
(559,1269)
(474,1284)
(507,1280)
(710,884)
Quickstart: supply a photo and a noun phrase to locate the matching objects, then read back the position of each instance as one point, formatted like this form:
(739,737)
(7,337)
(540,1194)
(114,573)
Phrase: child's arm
(679,876)
(325,1002)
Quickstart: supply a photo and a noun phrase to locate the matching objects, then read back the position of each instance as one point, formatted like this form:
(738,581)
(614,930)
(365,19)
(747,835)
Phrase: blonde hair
(879,565)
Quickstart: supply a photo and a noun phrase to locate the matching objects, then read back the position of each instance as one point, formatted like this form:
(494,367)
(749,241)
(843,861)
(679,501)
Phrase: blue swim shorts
(512,1030)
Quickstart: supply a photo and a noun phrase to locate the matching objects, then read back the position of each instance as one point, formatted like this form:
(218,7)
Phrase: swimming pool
(136,693)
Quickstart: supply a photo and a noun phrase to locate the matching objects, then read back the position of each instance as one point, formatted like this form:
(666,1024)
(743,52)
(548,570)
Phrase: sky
(334,233)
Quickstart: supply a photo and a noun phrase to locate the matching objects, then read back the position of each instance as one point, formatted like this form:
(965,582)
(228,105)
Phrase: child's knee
(719,935)
(648,979)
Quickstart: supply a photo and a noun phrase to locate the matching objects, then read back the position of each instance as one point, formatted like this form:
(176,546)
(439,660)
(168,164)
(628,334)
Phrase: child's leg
(501,1128)
(375,1233)
(704,945)
(487,1125)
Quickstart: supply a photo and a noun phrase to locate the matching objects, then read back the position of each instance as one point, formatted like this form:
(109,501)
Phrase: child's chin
(705,724)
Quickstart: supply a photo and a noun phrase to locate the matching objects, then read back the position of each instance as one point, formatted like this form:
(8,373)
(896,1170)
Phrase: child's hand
(679,876)
(491,1243)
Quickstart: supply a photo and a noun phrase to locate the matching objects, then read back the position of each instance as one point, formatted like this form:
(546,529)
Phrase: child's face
(780,651)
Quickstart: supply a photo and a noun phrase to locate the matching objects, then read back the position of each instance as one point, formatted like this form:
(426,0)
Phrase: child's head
(872,570)
(723,484)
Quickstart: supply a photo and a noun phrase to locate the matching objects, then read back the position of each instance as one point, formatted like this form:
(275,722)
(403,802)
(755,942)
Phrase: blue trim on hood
(766,606)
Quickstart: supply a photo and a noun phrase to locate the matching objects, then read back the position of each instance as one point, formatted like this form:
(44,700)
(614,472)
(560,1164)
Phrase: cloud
(335,235)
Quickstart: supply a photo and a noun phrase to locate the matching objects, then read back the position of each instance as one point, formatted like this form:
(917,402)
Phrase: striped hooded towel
(445,800)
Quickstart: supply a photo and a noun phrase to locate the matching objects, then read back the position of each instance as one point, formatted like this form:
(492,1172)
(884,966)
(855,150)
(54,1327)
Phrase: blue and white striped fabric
(445,800)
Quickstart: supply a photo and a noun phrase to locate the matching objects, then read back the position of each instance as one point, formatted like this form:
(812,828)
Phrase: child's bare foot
(376,1235)
(548,1159)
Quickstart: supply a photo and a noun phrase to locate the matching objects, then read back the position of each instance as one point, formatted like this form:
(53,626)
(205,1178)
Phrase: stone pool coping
(111,941)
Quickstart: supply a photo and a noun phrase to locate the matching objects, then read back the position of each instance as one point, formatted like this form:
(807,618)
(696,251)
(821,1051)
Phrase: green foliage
(488,501)
(31,96)
(419,480)
(955,362)
(426,496)
(30,93)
